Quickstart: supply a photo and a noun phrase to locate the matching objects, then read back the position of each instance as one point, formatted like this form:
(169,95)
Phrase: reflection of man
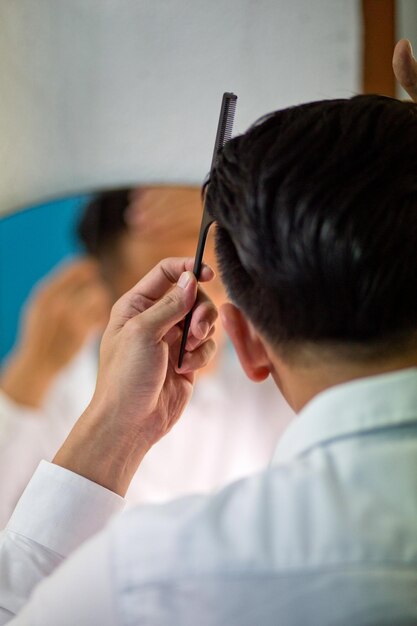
(317,248)
(128,233)
(40,391)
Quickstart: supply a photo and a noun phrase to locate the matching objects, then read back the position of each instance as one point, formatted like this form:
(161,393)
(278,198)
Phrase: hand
(165,214)
(140,391)
(64,311)
(405,67)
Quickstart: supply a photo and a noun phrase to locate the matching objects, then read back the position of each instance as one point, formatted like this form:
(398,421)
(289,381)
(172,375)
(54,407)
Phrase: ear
(248,344)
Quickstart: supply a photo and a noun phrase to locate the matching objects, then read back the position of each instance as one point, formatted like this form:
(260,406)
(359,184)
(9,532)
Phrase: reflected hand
(165,215)
(140,392)
(62,314)
(405,67)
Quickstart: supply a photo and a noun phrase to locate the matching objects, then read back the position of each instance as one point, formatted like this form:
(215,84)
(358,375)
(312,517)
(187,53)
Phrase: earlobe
(247,343)
(260,374)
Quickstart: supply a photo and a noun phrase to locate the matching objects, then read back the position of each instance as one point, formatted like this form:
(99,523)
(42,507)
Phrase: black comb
(224,133)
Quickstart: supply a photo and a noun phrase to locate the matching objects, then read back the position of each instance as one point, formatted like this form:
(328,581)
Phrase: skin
(162,221)
(309,369)
(140,392)
(63,313)
(314,369)
(405,67)
(59,321)
(74,303)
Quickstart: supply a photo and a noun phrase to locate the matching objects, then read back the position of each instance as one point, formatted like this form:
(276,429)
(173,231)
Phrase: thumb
(172,307)
(405,67)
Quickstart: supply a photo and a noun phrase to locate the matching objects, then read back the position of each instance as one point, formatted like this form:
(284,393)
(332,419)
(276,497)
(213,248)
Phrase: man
(317,231)
(51,376)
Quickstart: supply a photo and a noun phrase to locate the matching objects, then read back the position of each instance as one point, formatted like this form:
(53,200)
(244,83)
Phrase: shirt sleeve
(24,441)
(58,511)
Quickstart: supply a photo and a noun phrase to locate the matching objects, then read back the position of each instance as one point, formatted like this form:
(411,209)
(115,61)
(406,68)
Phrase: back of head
(316,210)
(103,221)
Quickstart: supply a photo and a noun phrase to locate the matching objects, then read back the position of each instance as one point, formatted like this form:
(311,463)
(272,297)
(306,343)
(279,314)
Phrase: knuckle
(139,302)
(170,299)
(135,326)
(167,261)
(208,350)
(201,357)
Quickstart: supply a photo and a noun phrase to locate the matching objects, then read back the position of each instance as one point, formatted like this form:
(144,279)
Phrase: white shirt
(217,440)
(28,435)
(326,536)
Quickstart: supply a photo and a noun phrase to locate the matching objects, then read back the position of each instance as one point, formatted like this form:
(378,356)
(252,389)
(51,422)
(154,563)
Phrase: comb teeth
(229,118)
(225,126)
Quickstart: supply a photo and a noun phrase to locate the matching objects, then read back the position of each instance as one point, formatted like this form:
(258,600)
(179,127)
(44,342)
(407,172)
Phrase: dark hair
(316,210)
(103,221)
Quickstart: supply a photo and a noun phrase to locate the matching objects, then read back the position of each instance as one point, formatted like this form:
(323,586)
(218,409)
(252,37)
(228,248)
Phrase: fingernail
(203,327)
(184,279)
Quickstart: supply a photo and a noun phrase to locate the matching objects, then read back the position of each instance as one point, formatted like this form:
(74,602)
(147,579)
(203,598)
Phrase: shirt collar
(367,404)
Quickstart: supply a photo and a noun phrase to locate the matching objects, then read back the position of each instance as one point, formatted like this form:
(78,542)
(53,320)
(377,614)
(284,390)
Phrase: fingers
(153,287)
(64,282)
(173,336)
(171,308)
(162,317)
(69,322)
(193,342)
(198,358)
(161,212)
(85,302)
(162,277)
(202,322)
(150,226)
(173,301)
(92,307)
(405,67)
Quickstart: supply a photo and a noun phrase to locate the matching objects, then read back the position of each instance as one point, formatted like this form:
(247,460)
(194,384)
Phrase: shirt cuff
(60,509)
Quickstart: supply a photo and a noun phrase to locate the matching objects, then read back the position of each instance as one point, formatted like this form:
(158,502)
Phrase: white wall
(102,92)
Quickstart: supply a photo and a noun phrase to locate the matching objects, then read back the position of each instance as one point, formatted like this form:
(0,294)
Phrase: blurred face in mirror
(160,222)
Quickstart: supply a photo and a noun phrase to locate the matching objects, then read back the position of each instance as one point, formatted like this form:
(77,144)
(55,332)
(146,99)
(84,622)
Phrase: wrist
(25,381)
(94,450)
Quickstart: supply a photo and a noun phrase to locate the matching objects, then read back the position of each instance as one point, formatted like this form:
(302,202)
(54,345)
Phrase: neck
(302,378)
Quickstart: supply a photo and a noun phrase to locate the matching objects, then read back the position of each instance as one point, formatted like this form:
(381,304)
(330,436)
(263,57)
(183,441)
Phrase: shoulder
(245,526)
